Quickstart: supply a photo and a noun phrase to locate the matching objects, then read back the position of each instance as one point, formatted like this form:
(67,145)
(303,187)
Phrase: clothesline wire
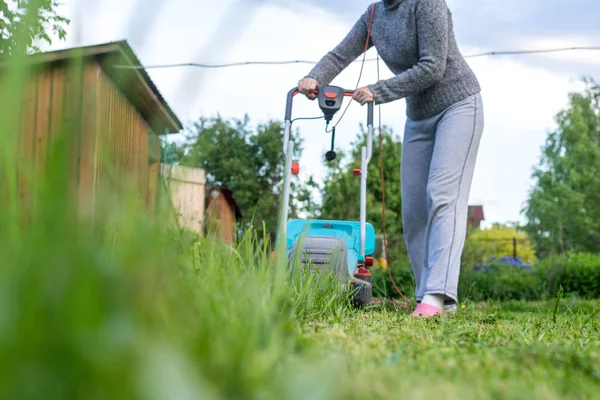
(288,62)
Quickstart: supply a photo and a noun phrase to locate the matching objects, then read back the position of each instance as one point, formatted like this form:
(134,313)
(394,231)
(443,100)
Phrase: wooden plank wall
(88,137)
(122,153)
(58,100)
(108,138)
(47,104)
(154,172)
(187,188)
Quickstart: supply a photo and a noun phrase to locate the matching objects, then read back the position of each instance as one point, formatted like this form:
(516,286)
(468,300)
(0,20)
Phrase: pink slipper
(427,310)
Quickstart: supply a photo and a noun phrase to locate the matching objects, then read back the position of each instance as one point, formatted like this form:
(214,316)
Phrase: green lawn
(508,351)
(126,308)
(131,313)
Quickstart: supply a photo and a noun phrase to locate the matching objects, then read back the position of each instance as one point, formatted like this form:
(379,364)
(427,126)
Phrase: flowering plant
(494,263)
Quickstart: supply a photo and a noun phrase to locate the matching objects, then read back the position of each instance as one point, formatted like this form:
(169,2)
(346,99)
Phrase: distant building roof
(120,63)
(476,214)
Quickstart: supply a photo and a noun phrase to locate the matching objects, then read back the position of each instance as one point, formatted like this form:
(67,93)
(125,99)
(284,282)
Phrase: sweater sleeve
(352,46)
(432,36)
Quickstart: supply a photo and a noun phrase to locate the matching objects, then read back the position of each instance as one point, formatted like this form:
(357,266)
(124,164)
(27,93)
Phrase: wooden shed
(104,102)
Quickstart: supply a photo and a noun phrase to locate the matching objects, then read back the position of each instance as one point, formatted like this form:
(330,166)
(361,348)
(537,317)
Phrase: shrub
(505,278)
(508,278)
(577,273)
(403,277)
(481,245)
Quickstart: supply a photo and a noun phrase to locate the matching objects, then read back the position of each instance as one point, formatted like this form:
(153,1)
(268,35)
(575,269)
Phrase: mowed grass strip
(504,350)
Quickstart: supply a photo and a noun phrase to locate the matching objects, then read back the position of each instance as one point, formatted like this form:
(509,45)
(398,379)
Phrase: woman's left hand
(363,95)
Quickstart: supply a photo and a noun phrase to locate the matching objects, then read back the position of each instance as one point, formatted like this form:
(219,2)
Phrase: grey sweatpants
(438,159)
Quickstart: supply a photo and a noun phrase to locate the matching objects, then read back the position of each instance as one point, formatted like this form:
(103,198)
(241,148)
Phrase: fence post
(515,248)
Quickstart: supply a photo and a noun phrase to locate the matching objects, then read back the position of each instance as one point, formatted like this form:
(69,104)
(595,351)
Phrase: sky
(521,94)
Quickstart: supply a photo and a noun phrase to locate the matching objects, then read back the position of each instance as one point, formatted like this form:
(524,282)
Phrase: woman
(444,125)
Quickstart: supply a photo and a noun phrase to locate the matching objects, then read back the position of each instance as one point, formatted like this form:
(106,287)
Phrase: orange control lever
(295,168)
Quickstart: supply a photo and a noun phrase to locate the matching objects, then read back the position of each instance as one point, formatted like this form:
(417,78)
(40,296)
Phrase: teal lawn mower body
(344,248)
(347,231)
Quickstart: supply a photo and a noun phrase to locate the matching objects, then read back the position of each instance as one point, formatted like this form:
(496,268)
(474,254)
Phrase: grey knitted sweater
(415,39)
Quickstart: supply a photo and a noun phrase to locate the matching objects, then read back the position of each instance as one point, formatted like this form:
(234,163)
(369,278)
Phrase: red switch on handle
(295,168)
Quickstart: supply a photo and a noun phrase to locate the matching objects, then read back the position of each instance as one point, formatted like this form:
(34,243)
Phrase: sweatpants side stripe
(458,194)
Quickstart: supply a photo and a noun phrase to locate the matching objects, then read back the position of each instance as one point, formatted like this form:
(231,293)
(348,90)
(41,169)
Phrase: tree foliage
(563,209)
(248,161)
(341,190)
(25,22)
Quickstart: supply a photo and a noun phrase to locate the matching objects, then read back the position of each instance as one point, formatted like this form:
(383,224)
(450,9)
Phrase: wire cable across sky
(287,62)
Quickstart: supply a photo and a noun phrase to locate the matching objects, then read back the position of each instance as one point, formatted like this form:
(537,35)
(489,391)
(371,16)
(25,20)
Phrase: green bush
(506,279)
(501,280)
(403,277)
(577,273)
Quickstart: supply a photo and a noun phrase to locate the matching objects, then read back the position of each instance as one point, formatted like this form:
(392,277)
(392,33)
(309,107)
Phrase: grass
(507,350)
(150,315)
(128,308)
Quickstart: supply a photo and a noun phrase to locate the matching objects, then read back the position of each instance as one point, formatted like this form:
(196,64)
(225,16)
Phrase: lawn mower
(342,248)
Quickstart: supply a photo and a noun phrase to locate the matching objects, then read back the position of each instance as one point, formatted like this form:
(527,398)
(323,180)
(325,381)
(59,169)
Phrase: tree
(341,190)
(563,208)
(25,22)
(250,163)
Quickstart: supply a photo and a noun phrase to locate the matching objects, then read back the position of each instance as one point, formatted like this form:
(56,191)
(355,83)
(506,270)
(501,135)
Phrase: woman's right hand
(308,86)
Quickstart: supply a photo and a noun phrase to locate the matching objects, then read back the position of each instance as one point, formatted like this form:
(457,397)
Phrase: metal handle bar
(347,93)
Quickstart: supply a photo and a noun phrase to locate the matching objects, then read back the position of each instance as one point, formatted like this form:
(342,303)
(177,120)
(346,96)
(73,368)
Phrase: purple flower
(493,263)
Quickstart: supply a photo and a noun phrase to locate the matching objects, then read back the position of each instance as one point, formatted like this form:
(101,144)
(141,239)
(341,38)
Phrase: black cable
(306,119)
(245,63)
(333,139)
(519,52)
(327,130)
(210,66)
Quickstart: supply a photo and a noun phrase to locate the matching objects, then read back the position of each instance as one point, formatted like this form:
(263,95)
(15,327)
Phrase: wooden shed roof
(120,63)
(476,213)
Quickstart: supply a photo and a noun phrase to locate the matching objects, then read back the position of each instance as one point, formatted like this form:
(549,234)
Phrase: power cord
(305,119)
(362,65)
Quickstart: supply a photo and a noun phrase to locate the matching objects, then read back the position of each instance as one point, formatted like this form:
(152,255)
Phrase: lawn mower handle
(347,93)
